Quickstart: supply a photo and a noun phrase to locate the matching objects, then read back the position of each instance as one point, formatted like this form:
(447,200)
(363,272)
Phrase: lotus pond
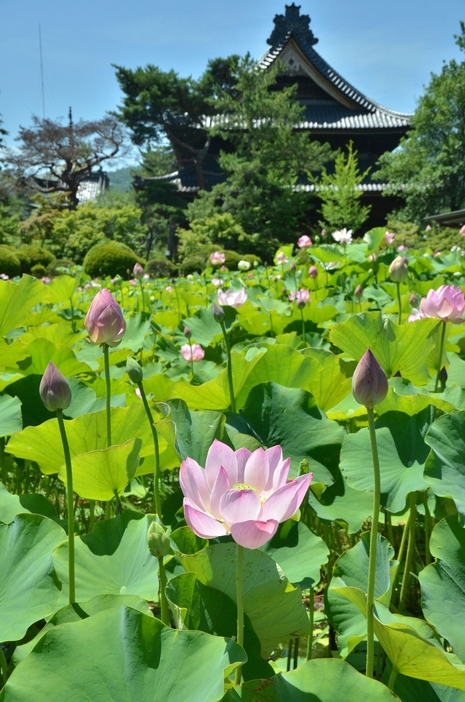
(236,486)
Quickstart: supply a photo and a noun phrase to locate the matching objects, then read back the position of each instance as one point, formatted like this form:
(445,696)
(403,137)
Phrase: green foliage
(121,179)
(110,258)
(193,264)
(160,267)
(38,271)
(9,262)
(414,237)
(79,230)
(339,193)
(430,163)
(30,256)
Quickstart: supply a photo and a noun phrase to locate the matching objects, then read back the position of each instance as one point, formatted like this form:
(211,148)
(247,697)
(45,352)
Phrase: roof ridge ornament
(292,20)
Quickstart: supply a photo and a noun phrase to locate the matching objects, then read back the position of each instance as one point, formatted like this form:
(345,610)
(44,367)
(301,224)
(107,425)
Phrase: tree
(266,157)
(161,107)
(3,132)
(55,158)
(340,195)
(429,167)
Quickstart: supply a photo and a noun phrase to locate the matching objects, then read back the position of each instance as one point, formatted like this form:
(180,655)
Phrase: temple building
(335,113)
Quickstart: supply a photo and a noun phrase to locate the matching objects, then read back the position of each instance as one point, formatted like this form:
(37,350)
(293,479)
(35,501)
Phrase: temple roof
(340,105)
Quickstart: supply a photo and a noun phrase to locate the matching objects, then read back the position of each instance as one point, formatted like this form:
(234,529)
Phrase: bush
(9,262)
(38,271)
(232,259)
(30,256)
(161,267)
(251,258)
(192,264)
(110,258)
(56,264)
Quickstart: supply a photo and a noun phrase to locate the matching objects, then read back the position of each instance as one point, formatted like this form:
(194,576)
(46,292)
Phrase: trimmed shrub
(251,258)
(192,264)
(161,267)
(52,268)
(30,256)
(9,262)
(38,271)
(232,259)
(110,258)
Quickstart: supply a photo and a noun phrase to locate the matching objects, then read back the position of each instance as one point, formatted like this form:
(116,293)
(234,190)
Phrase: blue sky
(386,49)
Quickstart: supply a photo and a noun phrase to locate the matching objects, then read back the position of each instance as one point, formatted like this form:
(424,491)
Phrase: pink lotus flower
(402,248)
(232,298)
(462,231)
(313,272)
(447,303)
(372,257)
(281,258)
(304,241)
(240,493)
(192,352)
(414,315)
(301,297)
(104,320)
(343,237)
(389,238)
(217,258)
(216,281)
(169,288)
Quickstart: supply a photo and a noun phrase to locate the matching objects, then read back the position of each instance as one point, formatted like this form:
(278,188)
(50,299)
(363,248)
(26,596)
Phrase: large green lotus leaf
(137,329)
(351,571)
(445,467)
(112,560)
(290,417)
(78,611)
(43,351)
(205,330)
(61,289)
(60,333)
(10,415)
(122,655)
(99,475)
(401,349)
(404,397)
(29,587)
(299,552)
(320,680)
(16,299)
(329,379)
(266,591)
(198,607)
(413,689)
(443,583)
(195,431)
(85,433)
(12,354)
(342,503)
(32,503)
(402,454)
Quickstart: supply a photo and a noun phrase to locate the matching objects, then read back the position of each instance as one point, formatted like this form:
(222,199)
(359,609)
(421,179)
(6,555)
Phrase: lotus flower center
(243,486)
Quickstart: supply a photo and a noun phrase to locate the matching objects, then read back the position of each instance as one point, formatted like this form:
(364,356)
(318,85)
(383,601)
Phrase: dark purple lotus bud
(369,381)
(54,389)
(218,313)
(187,332)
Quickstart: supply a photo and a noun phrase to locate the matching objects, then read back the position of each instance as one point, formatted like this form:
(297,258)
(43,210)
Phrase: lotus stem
(163,601)
(70,504)
(441,351)
(410,552)
(311,618)
(373,546)
(156,473)
(392,679)
(232,399)
(108,392)
(3,666)
(399,305)
(240,603)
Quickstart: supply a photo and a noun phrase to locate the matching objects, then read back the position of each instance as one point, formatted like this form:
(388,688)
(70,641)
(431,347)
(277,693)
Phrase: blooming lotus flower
(369,381)
(169,288)
(304,241)
(446,303)
(216,281)
(104,320)
(192,352)
(301,297)
(240,493)
(54,389)
(244,265)
(414,315)
(232,298)
(343,237)
(217,258)
(389,238)
(281,258)
(402,248)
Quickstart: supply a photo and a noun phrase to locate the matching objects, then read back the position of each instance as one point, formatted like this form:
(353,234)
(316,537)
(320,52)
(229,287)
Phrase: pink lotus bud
(402,248)
(462,231)
(313,272)
(281,258)
(413,300)
(192,352)
(369,381)
(398,269)
(301,298)
(389,238)
(187,332)
(372,257)
(358,291)
(323,232)
(138,271)
(292,267)
(54,389)
(104,320)
(304,241)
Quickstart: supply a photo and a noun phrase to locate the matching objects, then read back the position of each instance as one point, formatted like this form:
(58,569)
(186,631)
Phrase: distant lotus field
(238,485)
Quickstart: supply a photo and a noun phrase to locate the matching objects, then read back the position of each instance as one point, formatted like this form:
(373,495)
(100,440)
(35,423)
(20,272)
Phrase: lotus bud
(138,271)
(187,332)
(413,300)
(292,267)
(134,370)
(369,382)
(104,320)
(358,291)
(157,540)
(218,313)
(398,269)
(443,375)
(54,389)
(313,272)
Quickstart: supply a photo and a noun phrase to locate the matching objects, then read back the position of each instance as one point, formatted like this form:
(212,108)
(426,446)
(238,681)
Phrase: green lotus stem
(232,399)
(3,666)
(240,603)
(142,295)
(410,552)
(373,546)
(296,653)
(108,392)
(392,678)
(311,619)
(399,305)
(192,362)
(427,529)
(156,505)
(303,324)
(69,498)
(441,351)
(163,601)
(289,654)
(2,460)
